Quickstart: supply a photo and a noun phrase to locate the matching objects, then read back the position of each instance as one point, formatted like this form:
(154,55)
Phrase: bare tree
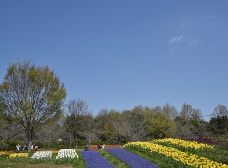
(171,111)
(220,110)
(76,120)
(135,123)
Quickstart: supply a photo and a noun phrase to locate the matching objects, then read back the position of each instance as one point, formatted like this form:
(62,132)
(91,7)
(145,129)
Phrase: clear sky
(123,53)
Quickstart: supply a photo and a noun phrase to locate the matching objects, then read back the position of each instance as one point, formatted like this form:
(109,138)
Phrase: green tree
(32,96)
(102,122)
(219,125)
(112,128)
(106,130)
(159,124)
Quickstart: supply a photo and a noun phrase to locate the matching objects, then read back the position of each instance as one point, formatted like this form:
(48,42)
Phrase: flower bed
(210,141)
(184,157)
(66,156)
(18,157)
(93,160)
(41,156)
(4,155)
(131,159)
(185,144)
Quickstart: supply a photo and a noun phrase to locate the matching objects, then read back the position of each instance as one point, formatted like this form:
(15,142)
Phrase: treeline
(142,123)
(77,126)
(32,111)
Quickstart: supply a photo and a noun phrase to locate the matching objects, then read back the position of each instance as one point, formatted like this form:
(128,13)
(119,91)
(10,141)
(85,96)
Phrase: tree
(219,111)
(188,113)
(111,126)
(219,120)
(3,122)
(90,131)
(50,133)
(135,123)
(75,123)
(119,125)
(3,129)
(32,96)
(102,121)
(219,125)
(159,124)
(171,111)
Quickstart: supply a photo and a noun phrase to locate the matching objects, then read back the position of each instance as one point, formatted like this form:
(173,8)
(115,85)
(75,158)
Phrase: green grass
(112,159)
(80,162)
(28,165)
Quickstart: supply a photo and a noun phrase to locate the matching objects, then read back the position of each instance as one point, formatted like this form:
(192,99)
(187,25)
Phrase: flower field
(163,153)
(131,159)
(93,160)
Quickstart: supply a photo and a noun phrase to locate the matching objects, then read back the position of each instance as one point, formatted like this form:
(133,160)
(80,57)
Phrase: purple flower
(131,159)
(94,160)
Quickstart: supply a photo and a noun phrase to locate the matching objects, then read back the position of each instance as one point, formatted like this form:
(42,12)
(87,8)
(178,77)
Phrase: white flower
(42,155)
(67,153)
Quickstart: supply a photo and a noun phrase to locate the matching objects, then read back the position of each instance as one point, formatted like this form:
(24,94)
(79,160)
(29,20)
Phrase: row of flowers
(17,157)
(184,143)
(41,156)
(131,159)
(93,160)
(184,157)
(64,155)
(209,141)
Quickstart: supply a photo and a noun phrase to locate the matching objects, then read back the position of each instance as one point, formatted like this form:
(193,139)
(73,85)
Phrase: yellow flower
(186,158)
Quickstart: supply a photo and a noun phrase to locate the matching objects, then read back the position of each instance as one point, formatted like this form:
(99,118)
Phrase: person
(103,146)
(98,146)
(31,147)
(24,148)
(86,147)
(36,148)
(18,147)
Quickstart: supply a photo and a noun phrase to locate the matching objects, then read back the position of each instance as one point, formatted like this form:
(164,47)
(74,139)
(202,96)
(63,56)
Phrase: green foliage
(66,160)
(18,159)
(159,125)
(11,143)
(219,125)
(4,156)
(80,161)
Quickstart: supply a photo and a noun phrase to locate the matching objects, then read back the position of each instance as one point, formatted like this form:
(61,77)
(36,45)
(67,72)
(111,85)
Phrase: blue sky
(120,54)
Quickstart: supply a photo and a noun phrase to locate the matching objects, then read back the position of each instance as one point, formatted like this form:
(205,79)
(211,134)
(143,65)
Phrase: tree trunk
(29,146)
